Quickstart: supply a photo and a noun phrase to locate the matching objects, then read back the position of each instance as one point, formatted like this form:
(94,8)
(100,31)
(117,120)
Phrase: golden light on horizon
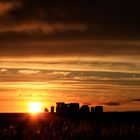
(35,107)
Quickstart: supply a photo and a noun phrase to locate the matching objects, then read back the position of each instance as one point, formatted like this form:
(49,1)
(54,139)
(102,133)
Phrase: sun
(35,107)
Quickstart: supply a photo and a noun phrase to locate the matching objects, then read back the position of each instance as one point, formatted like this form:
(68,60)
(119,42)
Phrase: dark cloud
(66,21)
(135,100)
(121,102)
(71,48)
(112,103)
(102,19)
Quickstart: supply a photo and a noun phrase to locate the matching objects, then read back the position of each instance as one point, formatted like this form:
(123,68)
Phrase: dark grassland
(46,126)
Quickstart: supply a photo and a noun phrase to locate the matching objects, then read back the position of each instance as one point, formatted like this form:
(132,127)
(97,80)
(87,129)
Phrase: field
(45,126)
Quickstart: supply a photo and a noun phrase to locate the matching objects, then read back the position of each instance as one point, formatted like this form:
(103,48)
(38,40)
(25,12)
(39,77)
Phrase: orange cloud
(3,70)
(28,72)
(46,28)
(5,7)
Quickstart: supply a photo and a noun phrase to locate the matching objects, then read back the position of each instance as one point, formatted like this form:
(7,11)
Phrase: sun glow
(35,107)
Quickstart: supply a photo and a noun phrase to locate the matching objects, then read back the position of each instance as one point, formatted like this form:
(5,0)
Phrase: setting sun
(35,107)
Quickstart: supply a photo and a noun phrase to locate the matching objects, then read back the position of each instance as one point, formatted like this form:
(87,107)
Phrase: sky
(85,51)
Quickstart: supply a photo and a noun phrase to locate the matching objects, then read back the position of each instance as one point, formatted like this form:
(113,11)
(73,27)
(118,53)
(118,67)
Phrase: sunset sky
(85,51)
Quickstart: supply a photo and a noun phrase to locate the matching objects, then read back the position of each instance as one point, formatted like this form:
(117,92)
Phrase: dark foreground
(100,126)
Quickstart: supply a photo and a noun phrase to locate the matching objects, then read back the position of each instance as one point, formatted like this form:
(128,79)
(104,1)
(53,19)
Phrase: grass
(61,127)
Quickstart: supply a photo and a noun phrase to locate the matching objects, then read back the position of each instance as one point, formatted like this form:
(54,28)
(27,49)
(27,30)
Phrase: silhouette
(52,109)
(84,109)
(61,107)
(73,107)
(98,109)
(92,109)
(46,110)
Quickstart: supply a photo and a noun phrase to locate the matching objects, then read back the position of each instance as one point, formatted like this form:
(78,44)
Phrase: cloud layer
(71,48)
(115,85)
(48,28)
(89,18)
